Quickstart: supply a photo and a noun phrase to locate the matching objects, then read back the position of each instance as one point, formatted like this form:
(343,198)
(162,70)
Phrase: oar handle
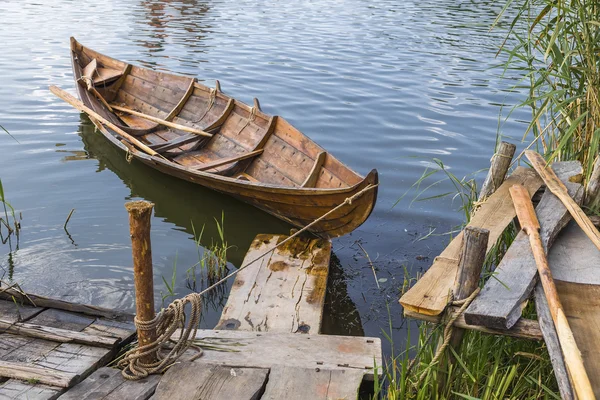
(524,208)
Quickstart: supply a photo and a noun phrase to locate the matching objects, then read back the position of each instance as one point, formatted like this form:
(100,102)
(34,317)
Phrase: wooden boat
(187,130)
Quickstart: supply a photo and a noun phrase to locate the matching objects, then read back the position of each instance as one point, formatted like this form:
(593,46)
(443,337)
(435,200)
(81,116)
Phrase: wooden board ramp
(266,344)
(283,291)
(430,294)
(500,302)
(44,351)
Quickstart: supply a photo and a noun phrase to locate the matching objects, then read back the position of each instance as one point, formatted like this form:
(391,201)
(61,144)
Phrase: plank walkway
(266,344)
(44,351)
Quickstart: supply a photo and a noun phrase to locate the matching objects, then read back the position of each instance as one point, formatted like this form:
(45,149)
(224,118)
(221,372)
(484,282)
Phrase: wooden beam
(240,349)
(177,142)
(41,301)
(498,168)
(313,175)
(592,191)
(500,301)
(162,121)
(523,329)
(430,294)
(229,160)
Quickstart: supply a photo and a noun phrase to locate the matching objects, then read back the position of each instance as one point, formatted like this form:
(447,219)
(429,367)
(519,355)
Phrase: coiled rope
(170,319)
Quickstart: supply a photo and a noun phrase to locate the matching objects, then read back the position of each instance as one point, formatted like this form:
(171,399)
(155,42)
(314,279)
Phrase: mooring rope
(172,318)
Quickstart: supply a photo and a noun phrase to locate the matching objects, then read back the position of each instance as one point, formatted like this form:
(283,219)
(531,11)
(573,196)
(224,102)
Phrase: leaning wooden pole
(572,355)
(498,168)
(472,257)
(139,228)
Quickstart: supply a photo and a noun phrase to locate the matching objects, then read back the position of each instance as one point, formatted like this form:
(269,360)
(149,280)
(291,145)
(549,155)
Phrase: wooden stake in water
(571,353)
(139,228)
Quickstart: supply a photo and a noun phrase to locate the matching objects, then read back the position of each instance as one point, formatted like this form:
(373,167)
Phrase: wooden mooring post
(139,228)
(470,264)
(498,168)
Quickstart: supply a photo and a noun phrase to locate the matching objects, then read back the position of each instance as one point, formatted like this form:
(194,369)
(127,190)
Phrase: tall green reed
(555,44)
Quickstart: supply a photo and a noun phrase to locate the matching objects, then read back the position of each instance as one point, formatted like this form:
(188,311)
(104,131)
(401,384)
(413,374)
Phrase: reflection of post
(139,228)
(470,264)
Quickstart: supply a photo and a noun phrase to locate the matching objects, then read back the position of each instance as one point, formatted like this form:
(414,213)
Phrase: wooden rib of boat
(199,134)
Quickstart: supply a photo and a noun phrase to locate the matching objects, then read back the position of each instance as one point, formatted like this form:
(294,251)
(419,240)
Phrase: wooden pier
(497,309)
(267,344)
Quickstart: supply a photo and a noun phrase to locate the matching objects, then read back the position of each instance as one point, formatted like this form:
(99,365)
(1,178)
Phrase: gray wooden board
(282,292)
(266,350)
(17,390)
(574,258)
(185,381)
(66,357)
(499,304)
(292,383)
(109,384)
(15,312)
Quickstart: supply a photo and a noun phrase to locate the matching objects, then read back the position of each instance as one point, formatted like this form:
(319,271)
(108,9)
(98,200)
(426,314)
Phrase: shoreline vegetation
(556,48)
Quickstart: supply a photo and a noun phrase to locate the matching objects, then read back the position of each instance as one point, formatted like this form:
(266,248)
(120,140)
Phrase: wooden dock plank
(14,312)
(430,294)
(70,359)
(185,381)
(109,384)
(18,390)
(312,383)
(499,304)
(284,291)
(273,350)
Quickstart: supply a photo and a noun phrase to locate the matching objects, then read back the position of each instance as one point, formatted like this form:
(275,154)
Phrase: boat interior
(202,129)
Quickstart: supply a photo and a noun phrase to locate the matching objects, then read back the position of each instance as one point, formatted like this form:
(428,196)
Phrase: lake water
(380,84)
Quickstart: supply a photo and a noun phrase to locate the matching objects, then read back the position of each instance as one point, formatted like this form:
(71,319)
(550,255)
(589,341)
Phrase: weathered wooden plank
(17,390)
(185,381)
(41,301)
(500,302)
(430,294)
(283,291)
(109,384)
(315,383)
(523,329)
(69,358)
(11,311)
(272,350)
(57,334)
(28,372)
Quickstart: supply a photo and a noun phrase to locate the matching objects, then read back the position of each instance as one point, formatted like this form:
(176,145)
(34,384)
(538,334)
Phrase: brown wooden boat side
(281,159)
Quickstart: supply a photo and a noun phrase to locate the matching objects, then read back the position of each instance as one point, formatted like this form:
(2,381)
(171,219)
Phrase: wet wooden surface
(282,292)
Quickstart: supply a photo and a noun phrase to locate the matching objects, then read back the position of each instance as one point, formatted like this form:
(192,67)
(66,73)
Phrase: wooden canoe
(201,135)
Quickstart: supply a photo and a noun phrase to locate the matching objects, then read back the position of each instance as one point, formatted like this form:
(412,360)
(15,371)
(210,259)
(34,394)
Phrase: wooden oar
(560,191)
(82,107)
(572,355)
(162,121)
